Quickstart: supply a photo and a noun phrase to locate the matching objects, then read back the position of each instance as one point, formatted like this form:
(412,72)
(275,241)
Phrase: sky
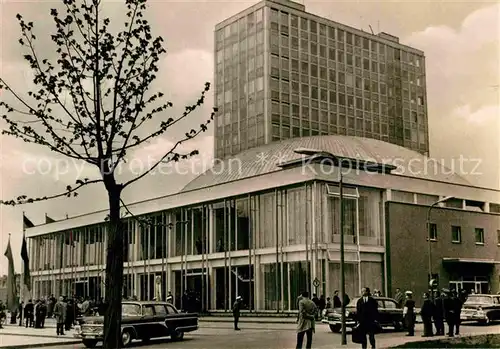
(460,40)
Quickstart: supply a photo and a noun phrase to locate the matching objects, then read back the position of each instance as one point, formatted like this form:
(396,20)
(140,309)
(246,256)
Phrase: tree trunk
(114,272)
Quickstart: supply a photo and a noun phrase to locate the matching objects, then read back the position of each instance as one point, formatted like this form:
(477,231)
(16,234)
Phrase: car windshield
(353,302)
(131,309)
(479,300)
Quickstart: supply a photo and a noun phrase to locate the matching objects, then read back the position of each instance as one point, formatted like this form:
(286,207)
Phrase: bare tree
(90,105)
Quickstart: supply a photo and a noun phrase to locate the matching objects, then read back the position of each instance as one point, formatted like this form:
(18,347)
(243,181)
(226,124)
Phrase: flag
(48,219)
(26,260)
(27,223)
(11,281)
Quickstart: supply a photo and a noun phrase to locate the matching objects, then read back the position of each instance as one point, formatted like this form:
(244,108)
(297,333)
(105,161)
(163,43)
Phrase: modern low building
(265,225)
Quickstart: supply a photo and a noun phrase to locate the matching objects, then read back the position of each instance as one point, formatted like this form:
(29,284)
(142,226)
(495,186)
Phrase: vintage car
(483,308)
(140,320)
(389,315)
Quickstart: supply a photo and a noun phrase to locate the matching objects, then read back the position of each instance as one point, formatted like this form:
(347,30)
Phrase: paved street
(220,335)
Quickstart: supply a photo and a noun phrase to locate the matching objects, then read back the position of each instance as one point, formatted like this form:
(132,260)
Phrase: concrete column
(258,288)
(487,207)
(212,284)
(211,231)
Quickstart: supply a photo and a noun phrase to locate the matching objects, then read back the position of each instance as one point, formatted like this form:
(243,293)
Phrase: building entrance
(478,285)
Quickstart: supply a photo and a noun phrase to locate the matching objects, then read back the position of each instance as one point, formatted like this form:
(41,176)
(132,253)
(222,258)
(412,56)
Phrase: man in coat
(337,303)
(367,313)
(409,313)
(60,315)
(427,312)
(458,304)
(439,313)
(29,313)
(236,312)
(449,313)
(306,321)
(399,298)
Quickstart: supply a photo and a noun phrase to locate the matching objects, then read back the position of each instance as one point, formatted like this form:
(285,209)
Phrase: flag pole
(22,278)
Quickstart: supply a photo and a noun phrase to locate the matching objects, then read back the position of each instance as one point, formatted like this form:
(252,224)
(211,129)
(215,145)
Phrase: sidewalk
(15,336)
(47,331)
(50,323)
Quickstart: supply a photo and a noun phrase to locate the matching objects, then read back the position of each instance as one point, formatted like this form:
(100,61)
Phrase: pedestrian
(70,315)
(60,315)
(236,312)
(2,313)
(170,298)
(20,311)
(367,313)
(307,321)
(399,298)
(409,313)
(427,312)
(13,317)
(185,302)
(439,313)
(328,303)
(321,306)
(458,304)
(337,303)
(29,309)
(315,300)
(449,313)
(42,314)
(50,306)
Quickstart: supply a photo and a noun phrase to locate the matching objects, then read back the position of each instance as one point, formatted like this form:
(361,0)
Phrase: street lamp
(341,162)
(429,241)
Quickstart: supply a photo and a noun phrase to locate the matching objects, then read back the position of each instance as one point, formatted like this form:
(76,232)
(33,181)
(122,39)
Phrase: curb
(38,345)
(33,335)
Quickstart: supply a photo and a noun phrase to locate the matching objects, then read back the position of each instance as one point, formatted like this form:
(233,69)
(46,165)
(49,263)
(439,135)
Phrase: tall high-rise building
(281,72)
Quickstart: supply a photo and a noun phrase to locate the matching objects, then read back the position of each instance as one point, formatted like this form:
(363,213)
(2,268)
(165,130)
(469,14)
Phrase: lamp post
(429,241)
(350,163)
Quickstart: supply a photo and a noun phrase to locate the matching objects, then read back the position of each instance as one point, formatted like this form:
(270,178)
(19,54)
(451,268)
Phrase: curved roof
(264,159)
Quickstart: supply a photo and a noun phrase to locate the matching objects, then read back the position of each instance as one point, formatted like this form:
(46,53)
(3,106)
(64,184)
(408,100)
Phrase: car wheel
(487,321)
(177,335)
(126,338)
(89,343)
(335,328)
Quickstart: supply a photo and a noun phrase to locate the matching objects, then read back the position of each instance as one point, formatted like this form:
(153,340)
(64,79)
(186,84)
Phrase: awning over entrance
(470,260)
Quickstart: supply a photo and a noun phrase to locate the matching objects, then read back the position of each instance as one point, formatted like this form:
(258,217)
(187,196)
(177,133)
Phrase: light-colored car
(483,308)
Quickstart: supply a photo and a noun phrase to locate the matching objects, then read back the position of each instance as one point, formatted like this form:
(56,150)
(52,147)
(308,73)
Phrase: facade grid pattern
(321,79)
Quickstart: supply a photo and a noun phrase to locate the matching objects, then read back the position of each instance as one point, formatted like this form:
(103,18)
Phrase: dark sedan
(389,315)
(140,320)
(483,308)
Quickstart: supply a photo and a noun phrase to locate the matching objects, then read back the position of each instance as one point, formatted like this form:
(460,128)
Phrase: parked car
(483,308)
(140,320)
(389,315)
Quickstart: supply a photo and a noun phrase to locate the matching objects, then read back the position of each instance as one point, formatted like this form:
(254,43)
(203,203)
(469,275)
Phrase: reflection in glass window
(131,309)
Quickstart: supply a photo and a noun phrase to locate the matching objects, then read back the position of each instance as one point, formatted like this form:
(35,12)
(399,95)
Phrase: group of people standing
(64,310)
(445,306)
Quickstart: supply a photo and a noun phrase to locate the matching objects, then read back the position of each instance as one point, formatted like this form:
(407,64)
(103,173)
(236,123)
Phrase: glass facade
(240,84)
(320,78)
(266,247)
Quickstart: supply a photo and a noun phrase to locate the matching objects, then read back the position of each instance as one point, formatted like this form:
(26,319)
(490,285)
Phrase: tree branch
(70,192)
(175,156)
(144,222)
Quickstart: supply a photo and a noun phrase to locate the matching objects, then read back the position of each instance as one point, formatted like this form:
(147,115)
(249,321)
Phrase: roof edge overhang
(244,186)
(470,260)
